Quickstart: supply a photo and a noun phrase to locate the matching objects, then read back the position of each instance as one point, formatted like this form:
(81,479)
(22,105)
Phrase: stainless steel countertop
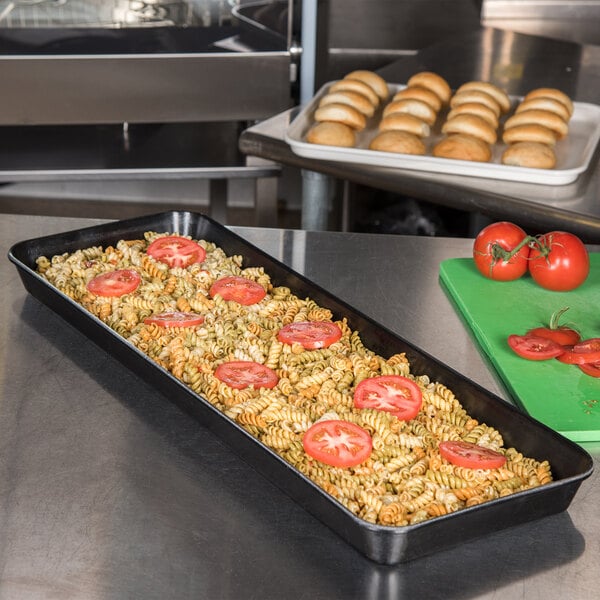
(109,491)
(518,63)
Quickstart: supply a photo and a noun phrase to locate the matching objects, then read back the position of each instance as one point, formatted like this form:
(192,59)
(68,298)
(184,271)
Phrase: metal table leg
(315,200)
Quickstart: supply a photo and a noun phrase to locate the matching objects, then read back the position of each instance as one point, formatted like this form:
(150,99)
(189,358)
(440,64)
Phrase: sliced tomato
(115,283)
(584,352)
(391,393)
(310,334)
(175,319)
(176,251)
(565,336)
(533,347)
(561,334)
(239,289)
(471,456)
(240,374)
(338,443)
(591,369)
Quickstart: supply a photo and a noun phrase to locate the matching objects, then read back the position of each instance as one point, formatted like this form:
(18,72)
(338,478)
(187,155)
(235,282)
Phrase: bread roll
(359,87)
(545,104)
(475,108)
(398,141)
(471,125)
(539,117)
(418,92)
(530,154)
(475,96)
(463,147)
(357,101)
(405,122)
(331,134)
(498,94)
(412,107)
(376,82)
(341,113)
(529,133)
(551,93)
(433,82)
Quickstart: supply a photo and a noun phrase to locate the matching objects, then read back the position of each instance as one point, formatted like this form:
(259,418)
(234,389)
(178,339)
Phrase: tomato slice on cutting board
(534,347)
(115,283)
(176,251)
(395,394)
(471,456)
(310,334)
(584,352)
(337,443)
(175,319)
(238,289)
(240,374)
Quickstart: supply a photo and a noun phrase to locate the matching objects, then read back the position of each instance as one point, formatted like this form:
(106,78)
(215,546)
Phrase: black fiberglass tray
(383,544)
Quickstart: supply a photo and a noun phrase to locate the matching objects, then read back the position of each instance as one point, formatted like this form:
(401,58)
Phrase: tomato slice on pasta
(310,334)
(176,251)
(337,443)
(240,374)
(175,319)
(471,456)
(239,289)
(395,394)
(115,283)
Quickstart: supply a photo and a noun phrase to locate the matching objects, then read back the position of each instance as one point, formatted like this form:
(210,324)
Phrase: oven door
(139,61)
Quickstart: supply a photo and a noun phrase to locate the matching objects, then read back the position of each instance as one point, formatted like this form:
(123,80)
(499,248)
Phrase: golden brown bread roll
(341,113)
(405,122)
(475,96)
(539,117)
(471,125)
(398,141)
(475,108)
(530,154)
(421,93)
(377,82)
(529,133)
(359,87)
(499,95)
(551,93)
(463,147)
(432,81)
(358,101)
(543,103)
(331,134)
(412,107)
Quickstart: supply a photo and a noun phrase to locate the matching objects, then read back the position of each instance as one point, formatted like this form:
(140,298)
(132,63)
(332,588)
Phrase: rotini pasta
(404,481)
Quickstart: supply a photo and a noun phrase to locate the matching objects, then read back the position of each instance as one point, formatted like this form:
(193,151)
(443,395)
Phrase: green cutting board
(560,396)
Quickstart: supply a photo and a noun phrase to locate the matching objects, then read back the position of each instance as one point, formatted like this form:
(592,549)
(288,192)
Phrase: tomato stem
(555,318)
(499,253)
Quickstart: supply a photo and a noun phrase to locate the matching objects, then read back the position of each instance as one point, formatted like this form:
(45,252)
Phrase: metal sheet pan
(573,154)
(387,545)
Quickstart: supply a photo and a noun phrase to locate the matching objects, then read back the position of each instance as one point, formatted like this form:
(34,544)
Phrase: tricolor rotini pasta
(404,480)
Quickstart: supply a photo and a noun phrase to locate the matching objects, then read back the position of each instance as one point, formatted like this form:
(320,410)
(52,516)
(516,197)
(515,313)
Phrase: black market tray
(382,544)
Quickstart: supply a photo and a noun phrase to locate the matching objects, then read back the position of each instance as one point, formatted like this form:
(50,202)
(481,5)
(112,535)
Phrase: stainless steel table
(515,61)
(108,491)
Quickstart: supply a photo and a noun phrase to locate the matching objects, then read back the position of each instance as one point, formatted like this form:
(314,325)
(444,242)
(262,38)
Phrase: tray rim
(296,129)
(346,516)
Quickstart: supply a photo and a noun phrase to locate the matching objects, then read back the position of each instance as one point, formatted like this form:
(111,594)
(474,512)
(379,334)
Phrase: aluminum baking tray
(573,154)
(387,545)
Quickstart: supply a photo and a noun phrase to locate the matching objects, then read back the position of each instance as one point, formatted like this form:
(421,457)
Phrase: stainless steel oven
(114,61)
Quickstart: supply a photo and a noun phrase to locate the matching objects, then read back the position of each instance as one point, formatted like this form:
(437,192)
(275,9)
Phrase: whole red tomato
(500,251)
(559,261)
